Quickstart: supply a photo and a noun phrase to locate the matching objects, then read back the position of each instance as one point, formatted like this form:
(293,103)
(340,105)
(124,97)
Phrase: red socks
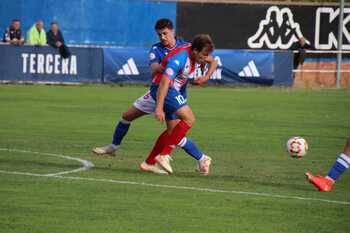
(175,137)
(157,148)
(167,142)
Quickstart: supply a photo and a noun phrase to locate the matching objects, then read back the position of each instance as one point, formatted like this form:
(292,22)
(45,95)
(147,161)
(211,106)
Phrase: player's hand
(156,69)
(200,80)
(209,59)
(159,115)
(197,81)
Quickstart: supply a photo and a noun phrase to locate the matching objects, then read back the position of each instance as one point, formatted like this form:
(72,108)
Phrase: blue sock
(120,131)
(190,148)
(339,167)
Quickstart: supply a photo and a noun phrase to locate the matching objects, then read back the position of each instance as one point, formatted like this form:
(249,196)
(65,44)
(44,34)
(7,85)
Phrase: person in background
(13,34)
(54,36)
(56,40)
(300,46)
(36,34)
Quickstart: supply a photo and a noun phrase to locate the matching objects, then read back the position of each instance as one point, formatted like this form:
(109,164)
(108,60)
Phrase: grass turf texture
(244,130)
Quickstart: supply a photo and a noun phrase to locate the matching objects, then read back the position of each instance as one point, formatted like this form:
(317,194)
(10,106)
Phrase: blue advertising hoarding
(126,65)
(236,67)
(130,65)
(31,63)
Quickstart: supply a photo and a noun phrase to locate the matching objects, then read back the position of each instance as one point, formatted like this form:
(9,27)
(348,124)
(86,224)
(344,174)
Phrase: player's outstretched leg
(120,131)
(342,163)
(191,148)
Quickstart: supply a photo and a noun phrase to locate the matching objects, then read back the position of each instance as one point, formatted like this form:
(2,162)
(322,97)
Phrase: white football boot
(204,165)
(164,162)
(109,149)
(145,167)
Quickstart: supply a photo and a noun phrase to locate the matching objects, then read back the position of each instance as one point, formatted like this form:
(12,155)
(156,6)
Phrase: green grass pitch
(254,186)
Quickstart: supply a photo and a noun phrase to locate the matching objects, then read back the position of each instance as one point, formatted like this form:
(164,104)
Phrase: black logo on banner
(277,31)
(326,31)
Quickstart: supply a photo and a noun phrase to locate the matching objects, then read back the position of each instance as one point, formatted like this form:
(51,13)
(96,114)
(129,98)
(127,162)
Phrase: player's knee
(190,121)
(127,116)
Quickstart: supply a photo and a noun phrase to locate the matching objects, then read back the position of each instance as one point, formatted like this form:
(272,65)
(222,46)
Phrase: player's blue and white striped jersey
(159,51)
(178,68)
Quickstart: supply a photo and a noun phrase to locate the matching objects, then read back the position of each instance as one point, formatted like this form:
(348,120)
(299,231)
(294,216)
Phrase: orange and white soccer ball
(297,147)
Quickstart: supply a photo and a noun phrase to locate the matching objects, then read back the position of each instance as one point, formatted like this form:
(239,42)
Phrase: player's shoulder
(181,42)
(181,50)
(157,46)
(180,55)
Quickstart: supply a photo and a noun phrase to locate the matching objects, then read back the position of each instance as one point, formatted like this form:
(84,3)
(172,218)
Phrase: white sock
(202,158)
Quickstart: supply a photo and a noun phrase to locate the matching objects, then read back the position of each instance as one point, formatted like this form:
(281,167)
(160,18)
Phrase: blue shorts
(173,101)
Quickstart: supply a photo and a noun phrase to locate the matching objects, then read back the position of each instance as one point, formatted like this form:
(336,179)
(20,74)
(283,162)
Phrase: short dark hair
(16,20)
(164,23)
(202,41)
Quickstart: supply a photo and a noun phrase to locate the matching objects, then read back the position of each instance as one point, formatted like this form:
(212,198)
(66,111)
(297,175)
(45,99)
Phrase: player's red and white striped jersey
(178,67)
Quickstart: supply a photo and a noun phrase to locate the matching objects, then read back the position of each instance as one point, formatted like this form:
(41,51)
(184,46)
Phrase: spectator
(56,40)
(300,46)
(13,34)
(36,34)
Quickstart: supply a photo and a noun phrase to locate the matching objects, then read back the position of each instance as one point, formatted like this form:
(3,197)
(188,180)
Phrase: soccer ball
(297,147)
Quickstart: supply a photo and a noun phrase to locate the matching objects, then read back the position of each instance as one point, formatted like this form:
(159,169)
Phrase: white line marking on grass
(86,164)
(210,190)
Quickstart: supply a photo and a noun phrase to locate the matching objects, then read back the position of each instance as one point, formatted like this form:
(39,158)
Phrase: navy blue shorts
(173,101)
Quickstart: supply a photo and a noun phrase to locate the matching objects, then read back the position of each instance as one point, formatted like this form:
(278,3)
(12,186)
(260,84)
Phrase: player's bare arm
(161,93)
(156,68)
(212,67)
